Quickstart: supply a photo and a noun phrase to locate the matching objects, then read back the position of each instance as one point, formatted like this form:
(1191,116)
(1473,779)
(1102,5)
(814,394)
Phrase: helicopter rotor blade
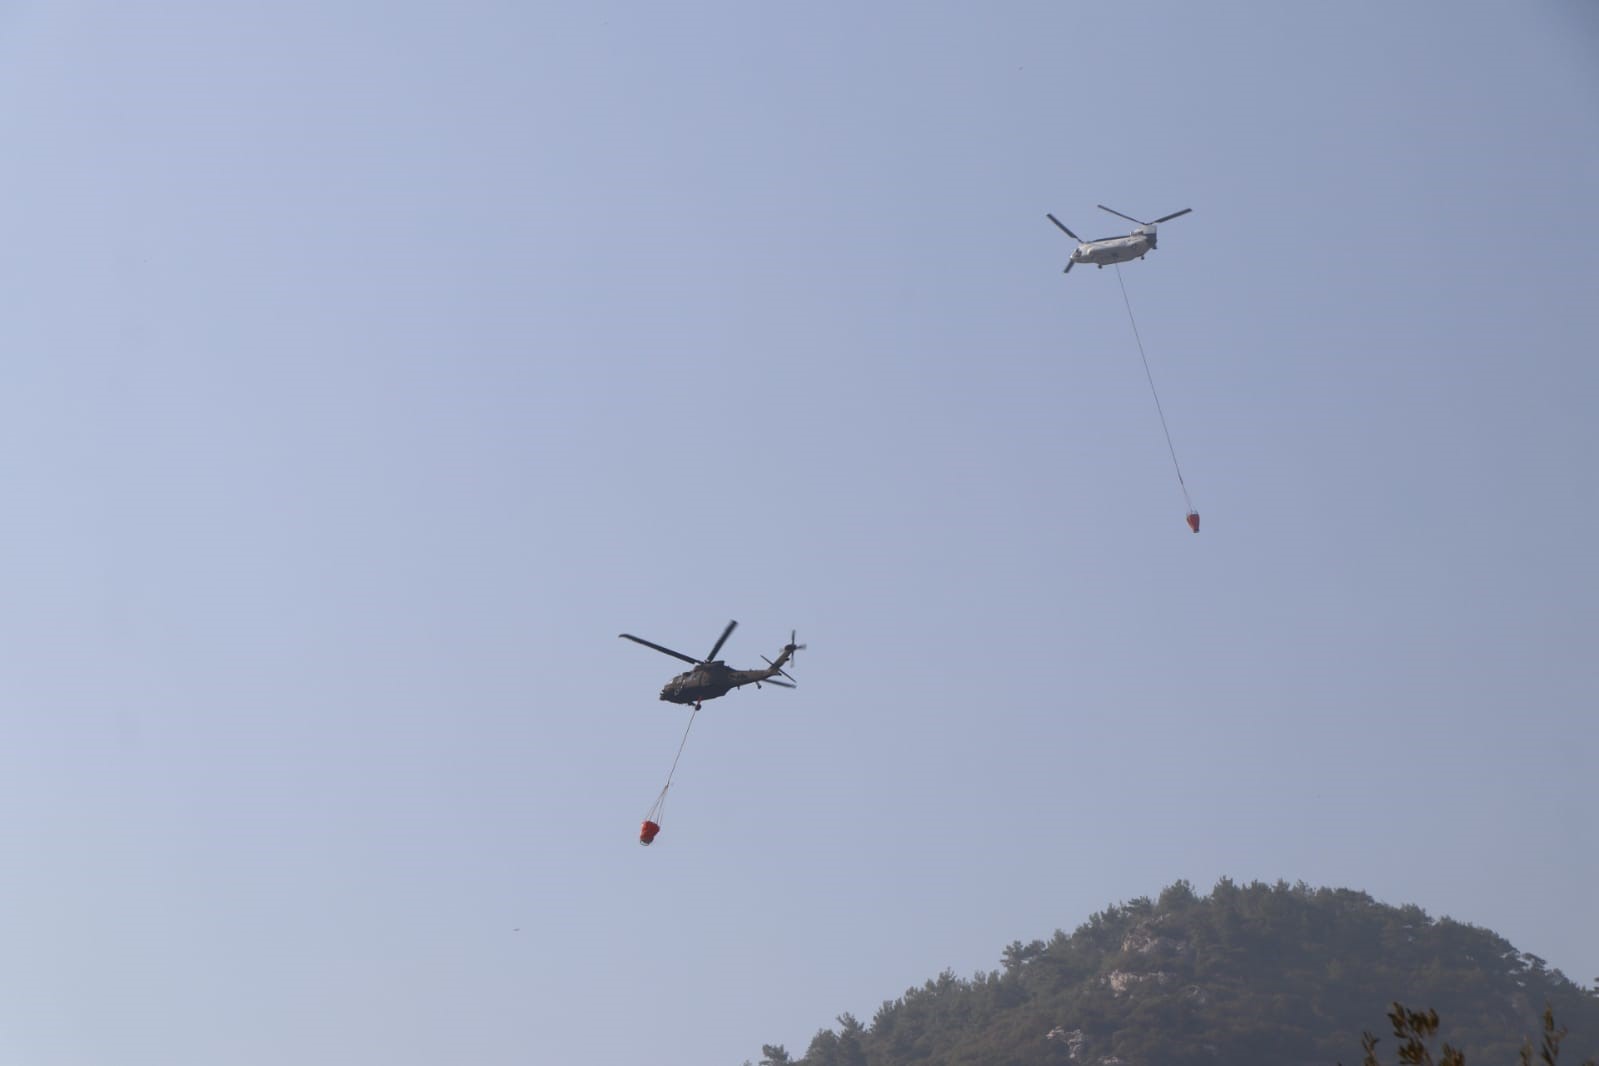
(779,684)
(720,641)
(1068,269)
(657,647)
(1118,214)
(1062,225)
(1175,214)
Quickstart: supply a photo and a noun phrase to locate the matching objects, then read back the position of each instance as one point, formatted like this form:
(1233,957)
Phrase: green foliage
(1415,1029)
(1250,973)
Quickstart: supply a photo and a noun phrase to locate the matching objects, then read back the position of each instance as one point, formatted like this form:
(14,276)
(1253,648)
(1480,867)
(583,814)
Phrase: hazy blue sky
(367,367)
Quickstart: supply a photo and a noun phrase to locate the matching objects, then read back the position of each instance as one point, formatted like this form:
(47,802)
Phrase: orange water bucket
(1193,521)
(647,831)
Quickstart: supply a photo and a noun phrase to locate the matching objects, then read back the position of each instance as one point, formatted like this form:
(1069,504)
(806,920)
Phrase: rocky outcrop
(1073,1039)
(1122,981)
(1150,942)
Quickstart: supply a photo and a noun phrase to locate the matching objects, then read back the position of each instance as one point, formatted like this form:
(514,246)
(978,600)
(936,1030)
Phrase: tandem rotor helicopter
(1109,250)
(711,677)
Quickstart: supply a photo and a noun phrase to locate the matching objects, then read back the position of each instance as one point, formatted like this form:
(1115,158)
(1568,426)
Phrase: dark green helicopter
(711,677)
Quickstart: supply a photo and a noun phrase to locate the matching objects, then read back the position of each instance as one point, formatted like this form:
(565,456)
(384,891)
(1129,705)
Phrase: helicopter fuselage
(1109,250)
(708,681)
(1115,249)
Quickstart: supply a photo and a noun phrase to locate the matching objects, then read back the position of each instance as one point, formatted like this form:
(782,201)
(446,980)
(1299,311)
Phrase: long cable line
(653,817)
(1193,516)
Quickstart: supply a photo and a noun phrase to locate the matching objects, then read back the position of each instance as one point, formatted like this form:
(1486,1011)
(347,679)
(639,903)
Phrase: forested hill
(1250,974)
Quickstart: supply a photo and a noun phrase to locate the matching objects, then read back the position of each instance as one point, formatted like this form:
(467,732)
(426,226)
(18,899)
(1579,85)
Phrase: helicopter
(1115,249)
(711,677)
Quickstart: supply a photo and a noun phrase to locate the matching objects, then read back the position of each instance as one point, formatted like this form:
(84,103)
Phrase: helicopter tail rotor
(786,655)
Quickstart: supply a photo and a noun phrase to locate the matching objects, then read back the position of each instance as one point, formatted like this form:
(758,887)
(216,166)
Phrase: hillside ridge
(1281,974)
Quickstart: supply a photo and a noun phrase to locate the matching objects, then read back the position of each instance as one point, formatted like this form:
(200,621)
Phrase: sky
(367,368)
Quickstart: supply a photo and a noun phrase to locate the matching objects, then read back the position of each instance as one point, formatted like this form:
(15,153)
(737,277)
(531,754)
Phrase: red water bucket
(1193,521)
(647,831)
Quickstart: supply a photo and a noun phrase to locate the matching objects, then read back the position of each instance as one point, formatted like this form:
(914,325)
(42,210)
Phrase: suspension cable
(1158,409)
(657,808)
